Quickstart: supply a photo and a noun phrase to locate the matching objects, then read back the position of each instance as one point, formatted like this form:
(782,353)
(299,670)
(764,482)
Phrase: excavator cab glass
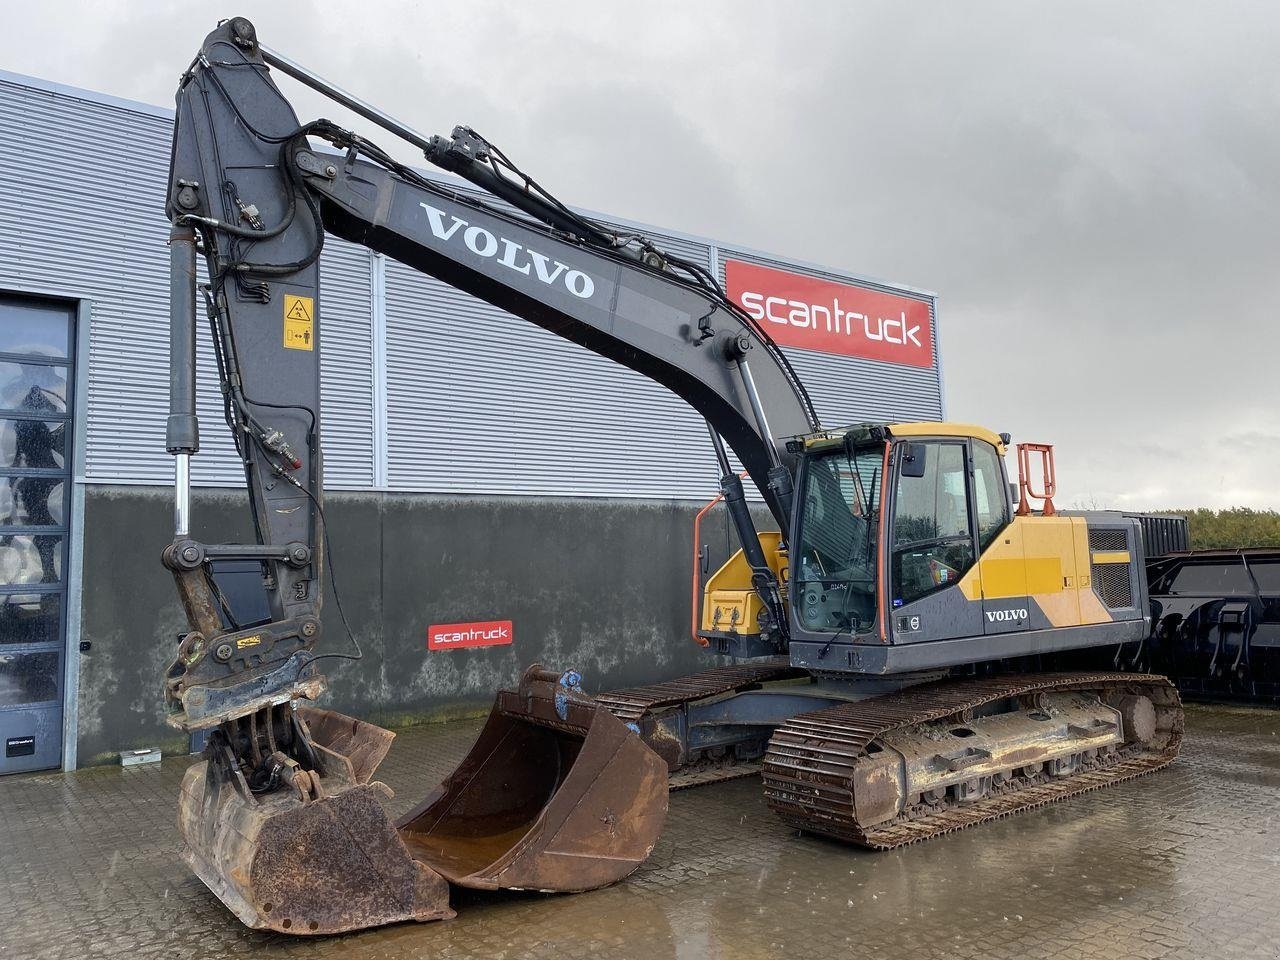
(837,580)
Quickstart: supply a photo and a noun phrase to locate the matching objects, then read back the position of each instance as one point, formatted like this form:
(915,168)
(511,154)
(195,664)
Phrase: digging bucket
(556,795)
(319,855)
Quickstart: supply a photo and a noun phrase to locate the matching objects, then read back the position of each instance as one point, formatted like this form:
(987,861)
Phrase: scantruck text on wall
(487,633)
(830,317)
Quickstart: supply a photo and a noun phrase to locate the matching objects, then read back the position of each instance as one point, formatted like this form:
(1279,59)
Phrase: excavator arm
(281,819)
(255,191)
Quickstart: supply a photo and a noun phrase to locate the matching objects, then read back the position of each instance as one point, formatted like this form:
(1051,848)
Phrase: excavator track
(634,703)
(644,706)
(832,771)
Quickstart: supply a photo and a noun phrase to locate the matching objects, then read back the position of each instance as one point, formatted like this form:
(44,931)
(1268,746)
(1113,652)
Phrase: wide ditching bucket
(556,795)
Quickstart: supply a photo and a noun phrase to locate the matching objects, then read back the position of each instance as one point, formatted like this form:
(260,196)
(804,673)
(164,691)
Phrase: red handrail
(1050,488)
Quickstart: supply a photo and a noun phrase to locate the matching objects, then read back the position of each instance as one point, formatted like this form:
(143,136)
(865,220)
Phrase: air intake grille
(1108,540)
(1111,581)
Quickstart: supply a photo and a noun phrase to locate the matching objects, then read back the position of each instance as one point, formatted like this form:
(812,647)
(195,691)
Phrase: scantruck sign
(487,633)
(817,314)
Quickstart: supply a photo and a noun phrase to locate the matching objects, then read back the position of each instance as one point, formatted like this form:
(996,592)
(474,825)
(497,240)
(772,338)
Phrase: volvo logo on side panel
(1002,616)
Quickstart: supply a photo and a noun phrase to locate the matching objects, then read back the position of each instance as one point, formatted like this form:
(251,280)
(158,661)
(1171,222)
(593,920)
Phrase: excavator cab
(889,525)
(906,553)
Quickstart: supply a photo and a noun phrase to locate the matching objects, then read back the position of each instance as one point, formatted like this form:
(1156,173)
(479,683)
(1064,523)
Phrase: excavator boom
(250,189)
(282,820)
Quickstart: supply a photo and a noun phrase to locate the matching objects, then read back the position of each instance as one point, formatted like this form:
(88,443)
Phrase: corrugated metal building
(469,481)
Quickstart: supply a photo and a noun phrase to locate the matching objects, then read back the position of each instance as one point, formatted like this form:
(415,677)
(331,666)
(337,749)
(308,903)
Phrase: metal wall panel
(346,364)
(476,400)
(479,401)
(82,216)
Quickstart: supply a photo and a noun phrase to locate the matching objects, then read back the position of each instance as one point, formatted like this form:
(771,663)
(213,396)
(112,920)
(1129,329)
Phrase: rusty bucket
(318,855)
(556,795)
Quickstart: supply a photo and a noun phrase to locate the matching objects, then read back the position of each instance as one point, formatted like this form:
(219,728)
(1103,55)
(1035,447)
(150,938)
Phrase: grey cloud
(1090,187)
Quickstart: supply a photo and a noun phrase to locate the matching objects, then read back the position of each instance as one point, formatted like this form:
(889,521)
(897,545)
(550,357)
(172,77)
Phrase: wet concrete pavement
(1183,863)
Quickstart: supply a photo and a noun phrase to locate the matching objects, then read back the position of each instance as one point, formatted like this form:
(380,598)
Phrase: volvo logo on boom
(508,253)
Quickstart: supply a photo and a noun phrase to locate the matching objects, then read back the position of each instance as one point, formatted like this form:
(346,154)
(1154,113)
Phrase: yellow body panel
(730,603)
(1049,545)
(1111,556)
(1046,559)
(1002,567)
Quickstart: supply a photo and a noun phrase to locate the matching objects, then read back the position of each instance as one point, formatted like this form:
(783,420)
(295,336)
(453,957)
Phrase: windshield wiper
(864,505)
(875,476)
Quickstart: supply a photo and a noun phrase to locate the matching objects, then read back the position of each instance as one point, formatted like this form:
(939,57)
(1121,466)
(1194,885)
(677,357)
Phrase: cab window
(991,498)
(932,535)
(835,577)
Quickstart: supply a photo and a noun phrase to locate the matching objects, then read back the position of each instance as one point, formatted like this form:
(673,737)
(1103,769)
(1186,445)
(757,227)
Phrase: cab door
(1006,607)
(932,544)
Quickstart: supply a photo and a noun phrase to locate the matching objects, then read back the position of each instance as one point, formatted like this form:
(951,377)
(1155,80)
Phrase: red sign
(488,633)
(802,311)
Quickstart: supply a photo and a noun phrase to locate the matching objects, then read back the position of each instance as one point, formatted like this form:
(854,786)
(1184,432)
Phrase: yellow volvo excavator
(895,655)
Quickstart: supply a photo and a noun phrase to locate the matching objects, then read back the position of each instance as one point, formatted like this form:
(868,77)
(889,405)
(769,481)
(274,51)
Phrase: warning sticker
(299,329)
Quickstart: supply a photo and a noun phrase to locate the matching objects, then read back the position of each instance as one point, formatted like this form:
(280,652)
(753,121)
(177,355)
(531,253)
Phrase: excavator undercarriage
(888,769)
(938,757)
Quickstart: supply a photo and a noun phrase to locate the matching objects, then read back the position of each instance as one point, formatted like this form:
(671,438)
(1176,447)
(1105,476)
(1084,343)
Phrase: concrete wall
(599,585)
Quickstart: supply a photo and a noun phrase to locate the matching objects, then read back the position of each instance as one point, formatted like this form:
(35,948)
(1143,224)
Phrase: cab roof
(939,428)
(927,428)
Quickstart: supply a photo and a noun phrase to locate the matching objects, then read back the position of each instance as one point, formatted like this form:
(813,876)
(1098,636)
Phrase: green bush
(1234,527)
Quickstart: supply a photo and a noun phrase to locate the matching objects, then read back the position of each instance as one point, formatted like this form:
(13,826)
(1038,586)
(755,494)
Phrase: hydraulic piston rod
(779,477)
(182,433)
(735,501)
(757,408)
(459,155)
(337,94)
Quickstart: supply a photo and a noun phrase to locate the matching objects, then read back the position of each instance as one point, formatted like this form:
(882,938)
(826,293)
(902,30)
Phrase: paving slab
(1184,863)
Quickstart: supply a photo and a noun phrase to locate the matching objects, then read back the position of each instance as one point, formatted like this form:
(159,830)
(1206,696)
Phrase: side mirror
(1013,493)
(913,459)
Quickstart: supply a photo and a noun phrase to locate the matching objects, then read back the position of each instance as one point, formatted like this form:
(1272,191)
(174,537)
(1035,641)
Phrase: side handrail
(1026,492)
(697,563)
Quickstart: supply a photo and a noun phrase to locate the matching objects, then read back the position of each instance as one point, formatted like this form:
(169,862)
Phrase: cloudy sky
(1091,188)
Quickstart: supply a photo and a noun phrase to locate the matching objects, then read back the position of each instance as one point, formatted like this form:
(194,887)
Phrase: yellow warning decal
(299,328)
(253,641)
